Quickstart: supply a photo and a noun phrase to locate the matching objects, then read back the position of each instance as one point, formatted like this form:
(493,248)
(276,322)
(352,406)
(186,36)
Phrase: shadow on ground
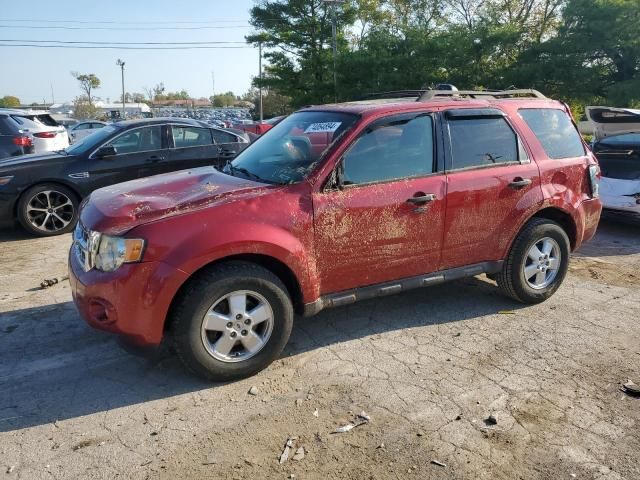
(54,367)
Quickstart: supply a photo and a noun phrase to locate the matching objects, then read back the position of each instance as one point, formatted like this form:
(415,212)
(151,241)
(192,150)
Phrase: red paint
(330,241)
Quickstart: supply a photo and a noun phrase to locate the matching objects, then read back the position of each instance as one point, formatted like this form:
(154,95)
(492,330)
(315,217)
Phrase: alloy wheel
(541,266)
(237,326)
(50,211)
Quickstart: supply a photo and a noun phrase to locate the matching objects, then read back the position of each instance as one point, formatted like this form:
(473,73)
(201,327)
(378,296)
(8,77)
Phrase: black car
(13,141)
(43,192)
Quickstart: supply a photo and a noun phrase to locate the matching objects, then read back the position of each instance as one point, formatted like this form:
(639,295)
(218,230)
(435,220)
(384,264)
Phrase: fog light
(102,311)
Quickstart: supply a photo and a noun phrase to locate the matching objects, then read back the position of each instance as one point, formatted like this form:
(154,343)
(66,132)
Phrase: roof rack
(394,94)
(528,92)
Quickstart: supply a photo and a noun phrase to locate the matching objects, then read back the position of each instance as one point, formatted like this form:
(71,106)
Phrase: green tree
(227,99)
(298,36)
(85,110)
(9,101)
(88,82)
(274,104)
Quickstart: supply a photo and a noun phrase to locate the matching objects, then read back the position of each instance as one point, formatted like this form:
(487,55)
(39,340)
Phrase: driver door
(386,222)
(137,149)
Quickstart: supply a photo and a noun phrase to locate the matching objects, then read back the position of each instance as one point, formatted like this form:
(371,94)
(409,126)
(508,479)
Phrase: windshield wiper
(244,171)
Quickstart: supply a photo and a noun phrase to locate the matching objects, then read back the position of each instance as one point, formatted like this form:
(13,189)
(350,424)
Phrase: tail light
(594,180)
(45,134)
(22,141)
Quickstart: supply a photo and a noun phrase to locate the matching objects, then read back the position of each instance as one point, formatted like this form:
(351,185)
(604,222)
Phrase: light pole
(334,35)
(120,63)
(260,77)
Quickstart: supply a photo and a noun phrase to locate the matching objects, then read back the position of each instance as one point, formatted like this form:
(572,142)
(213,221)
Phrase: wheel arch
(274,265)
(562,218)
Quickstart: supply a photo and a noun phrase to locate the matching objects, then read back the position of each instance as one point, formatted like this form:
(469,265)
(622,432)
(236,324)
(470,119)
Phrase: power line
(125,43)
(119,22)
(116,47)
(60,27)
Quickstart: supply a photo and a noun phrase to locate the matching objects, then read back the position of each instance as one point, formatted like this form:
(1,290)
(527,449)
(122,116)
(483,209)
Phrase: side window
(191,136)
(223,137)
(555,131)
(139,140)
(481,141)
(388,151)
(83,126)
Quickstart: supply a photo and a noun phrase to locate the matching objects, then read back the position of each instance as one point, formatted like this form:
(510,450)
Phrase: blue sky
(28,73)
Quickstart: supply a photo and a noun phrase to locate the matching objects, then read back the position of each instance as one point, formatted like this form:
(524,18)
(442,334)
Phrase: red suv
(336,204)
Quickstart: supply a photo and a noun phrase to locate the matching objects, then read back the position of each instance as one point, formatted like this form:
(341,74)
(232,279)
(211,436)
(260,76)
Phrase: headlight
(5,180)
(114,251)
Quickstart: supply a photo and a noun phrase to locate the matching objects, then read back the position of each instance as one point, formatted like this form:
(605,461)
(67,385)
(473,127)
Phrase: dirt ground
(429,367)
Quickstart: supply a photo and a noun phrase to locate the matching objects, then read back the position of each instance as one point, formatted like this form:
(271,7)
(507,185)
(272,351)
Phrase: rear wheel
(48,209)
(537,263)
(232,321)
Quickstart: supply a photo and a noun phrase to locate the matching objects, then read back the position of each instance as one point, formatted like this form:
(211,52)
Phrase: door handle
(155,159)
(421,199)
(519,183)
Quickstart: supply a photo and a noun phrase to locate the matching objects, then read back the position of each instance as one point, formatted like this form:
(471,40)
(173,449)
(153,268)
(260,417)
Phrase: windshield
(91,141)
(291,150)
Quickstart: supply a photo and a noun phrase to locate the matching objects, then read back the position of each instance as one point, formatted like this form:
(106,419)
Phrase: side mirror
(106,151)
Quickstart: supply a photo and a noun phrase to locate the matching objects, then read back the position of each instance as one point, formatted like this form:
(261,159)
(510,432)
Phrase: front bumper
(132,301)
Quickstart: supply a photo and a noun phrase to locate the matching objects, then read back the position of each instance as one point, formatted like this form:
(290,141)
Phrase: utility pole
(260,77)
(53,98)
(334,34)
(213,85)
(120,63)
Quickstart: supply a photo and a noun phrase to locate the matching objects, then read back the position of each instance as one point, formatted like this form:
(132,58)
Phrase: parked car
(45,133)
(43,192)
(258,128)
(14,140)
(84,129)
(336,204)
(616,143)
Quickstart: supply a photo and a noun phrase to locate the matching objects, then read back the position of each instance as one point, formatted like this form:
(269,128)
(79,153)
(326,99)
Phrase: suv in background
(14,140)
(336,204)
(45,134)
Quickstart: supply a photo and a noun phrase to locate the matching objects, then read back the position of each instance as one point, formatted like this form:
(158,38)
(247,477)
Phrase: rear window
(223,137)
(5,127)
(25,123)
(478,142)
(555,131)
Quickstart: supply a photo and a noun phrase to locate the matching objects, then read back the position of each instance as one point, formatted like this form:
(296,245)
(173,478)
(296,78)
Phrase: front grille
(85,246)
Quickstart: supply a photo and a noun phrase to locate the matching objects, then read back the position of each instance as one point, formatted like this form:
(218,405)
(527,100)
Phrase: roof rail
(395,94)
(528,92)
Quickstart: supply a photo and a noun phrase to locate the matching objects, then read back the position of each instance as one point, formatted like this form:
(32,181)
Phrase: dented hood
(609,121)
(118,208)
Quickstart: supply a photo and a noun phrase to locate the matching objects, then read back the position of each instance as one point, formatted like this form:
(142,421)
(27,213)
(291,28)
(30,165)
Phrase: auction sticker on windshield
(323,127)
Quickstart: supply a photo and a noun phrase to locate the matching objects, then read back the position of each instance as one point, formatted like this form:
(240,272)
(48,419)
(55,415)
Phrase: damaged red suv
(336,204)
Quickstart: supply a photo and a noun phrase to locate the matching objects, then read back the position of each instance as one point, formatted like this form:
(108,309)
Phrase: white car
(82,130)
(616,143)
(45,133)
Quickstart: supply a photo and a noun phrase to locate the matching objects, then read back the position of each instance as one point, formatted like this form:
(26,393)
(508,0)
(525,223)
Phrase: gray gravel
(436,362)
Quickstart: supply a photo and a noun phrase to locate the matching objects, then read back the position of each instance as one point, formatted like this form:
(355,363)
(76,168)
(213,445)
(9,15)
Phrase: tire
(545,274)
(202,350)
(54,207)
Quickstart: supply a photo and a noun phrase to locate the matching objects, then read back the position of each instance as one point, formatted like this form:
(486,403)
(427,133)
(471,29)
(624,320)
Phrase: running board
(347,297)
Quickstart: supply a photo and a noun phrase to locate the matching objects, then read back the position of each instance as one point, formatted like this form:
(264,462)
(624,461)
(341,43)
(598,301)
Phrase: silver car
(83,129)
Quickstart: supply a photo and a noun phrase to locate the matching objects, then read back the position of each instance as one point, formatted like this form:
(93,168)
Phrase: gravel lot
(428,366)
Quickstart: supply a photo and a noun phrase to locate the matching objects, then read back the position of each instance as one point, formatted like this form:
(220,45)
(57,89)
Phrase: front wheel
(48,209)
(231,321)
(537,263)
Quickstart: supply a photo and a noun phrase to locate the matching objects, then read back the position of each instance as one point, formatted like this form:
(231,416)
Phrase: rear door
(191,146)
(386,222)
(139,150)
(491,185)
